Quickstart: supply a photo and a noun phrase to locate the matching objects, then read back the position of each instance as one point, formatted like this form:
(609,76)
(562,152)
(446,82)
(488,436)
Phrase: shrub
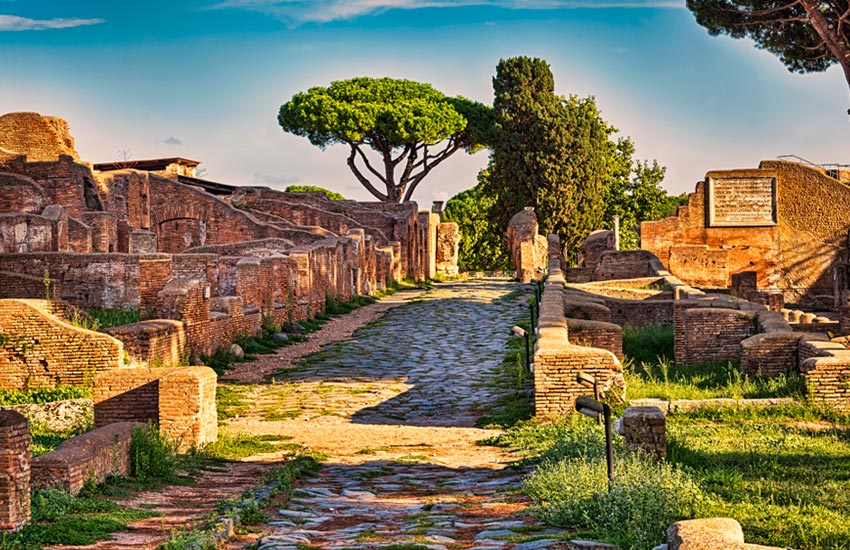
(645,498)
(152,456)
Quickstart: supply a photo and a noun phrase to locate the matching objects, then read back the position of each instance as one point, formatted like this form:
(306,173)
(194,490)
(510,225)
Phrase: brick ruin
(203,261)
(785,221)
(529,251)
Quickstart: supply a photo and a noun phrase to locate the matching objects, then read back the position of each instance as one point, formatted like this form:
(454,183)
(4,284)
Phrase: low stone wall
(181,401)
(586,309)
(15,462)
(710,330)
(557,361)
(709,534)
(40,350)
(92,456)
(596,334)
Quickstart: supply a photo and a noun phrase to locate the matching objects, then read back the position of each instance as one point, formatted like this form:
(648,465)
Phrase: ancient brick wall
(94,455)
(184,217)
(188,300)
(154,273)
(770,354)
(428,222)
(586,309)
(596,334)
(85,280)
(64,182)
(640,313)
(25,233)
(104,231)
(597,243)
(645,431)
(628,264)
(40,138)
(15,463)
(797,254)
(20,195)
(40,350)
(156,343)
(79,237)
(180,400)
(557,361)
(712,334)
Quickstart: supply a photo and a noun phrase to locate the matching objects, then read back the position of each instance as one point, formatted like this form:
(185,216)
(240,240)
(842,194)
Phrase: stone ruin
(720,271)
(202,261)
(529,250)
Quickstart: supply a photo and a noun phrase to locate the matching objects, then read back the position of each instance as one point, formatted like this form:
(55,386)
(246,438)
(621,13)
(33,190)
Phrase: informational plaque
(741,201)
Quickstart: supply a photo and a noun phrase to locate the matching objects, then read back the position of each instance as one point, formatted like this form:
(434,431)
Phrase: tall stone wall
(39,350)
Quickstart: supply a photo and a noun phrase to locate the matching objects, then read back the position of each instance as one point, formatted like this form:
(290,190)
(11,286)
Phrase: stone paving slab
(395,408)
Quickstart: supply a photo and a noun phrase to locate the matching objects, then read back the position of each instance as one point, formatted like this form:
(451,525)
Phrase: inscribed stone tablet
(741,201)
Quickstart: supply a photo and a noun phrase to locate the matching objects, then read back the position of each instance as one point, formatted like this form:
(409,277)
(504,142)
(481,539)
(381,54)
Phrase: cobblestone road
(394,408)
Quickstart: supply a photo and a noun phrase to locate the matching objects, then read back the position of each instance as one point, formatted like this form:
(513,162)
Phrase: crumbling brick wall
(15,463)
(447,247)
(157,342)
(529,250)
(797,254)
(188,300)
(710,334)
(40,138)
(557,361)
(39,350)
(596,334)
(21,195)
(180,400)
(92,456)
(85,280)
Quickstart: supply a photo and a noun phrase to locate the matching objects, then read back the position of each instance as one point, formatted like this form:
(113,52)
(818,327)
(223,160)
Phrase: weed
(43,395)
(238,446)
(153,458)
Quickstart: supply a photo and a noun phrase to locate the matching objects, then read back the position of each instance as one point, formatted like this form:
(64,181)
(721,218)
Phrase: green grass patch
(43,395)
(59,518)
(651,373)
(240,445)
(516,403)
(102,318)
(231,401)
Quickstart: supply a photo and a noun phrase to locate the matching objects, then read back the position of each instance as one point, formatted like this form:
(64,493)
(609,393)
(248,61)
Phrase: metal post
(609,445)
(527,352)
(531,315)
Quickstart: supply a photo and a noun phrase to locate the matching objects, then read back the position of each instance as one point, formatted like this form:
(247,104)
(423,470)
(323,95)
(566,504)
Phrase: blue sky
(204,79)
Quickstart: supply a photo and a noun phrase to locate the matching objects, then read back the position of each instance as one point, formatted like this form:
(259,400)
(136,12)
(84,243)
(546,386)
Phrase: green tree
(634,192)
(481,245)
(548,152)
(806,35)
(411,126)
(331,195)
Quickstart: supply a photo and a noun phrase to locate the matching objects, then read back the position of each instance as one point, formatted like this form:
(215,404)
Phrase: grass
(782,471)
(103,318)
(59,518)
(242,445)
(516,402)
(651,373)
(43,395)
(231,400)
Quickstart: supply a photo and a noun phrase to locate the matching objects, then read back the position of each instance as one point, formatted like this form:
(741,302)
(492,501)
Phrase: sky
(204,79)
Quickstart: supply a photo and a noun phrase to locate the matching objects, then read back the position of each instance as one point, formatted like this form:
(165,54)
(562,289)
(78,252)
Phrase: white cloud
(323,11)
(15,23)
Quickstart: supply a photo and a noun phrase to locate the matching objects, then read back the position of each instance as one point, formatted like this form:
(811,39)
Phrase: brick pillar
(645,429)
(15,459)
